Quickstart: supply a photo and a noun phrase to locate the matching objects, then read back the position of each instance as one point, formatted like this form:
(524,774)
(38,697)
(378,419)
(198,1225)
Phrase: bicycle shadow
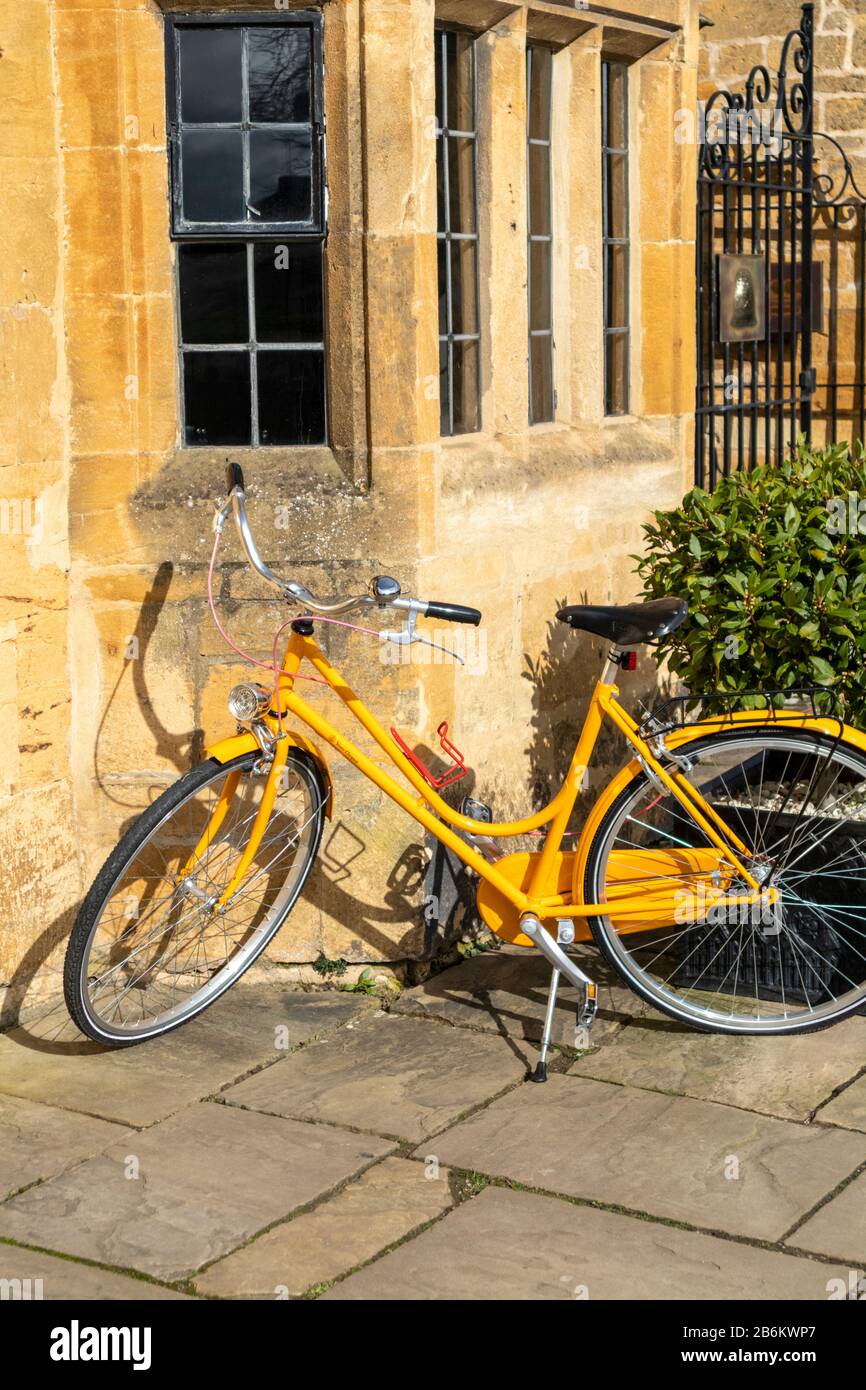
(182,750)
(563,678)
(178,749)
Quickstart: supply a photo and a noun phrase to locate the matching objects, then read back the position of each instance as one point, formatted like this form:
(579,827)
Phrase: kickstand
(540,1073)
(561,964)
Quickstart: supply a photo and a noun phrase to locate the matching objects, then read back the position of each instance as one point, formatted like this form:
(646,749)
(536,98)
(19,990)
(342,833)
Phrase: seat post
(608,675)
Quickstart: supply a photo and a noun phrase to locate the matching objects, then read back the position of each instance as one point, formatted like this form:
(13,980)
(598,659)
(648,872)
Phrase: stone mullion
(580,335)
(399,161)
(502,211)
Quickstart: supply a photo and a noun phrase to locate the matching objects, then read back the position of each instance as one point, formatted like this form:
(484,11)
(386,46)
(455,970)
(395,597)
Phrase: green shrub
(773,564)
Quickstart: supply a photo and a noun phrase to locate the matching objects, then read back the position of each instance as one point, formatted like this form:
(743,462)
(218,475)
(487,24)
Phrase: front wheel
(151,947)
(797,799)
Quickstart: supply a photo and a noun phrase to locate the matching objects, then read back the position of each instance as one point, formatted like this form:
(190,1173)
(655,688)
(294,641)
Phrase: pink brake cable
(273,666)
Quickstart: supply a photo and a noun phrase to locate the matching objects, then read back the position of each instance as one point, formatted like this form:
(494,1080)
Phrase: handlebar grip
(453,613)
(234,476)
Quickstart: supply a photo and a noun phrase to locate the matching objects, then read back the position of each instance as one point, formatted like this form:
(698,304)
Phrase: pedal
(476,810)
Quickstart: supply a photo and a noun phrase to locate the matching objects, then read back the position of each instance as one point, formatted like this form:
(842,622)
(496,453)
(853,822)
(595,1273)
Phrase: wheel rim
(801,805)
(157,952)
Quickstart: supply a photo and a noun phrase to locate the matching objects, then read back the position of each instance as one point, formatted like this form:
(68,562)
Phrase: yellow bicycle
(720,872)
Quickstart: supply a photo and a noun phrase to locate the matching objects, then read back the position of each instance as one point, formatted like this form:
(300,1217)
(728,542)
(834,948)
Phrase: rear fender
(234,747)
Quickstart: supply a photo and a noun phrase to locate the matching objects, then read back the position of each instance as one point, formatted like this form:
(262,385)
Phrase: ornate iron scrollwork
(730,117)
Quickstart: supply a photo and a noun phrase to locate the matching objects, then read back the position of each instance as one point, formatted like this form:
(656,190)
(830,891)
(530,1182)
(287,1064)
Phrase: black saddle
(628,623)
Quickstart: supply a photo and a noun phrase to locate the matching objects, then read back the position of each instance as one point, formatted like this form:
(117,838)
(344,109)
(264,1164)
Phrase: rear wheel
(798,800)
(150,949)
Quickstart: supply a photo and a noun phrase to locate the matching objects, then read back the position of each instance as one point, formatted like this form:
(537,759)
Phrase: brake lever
(407,635)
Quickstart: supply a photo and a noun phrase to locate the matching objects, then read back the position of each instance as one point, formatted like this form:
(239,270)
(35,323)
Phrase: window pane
(216,397)
(441,203)
(464,299)
(210,74)
(617,105)
(539,285)
(442,251)
(541,380)
(616,209)
(281,174)
(540,71)
(459,81)
(288,293)
(461,185)
(444,390)
(617,287)
(213,294)
(466,411)
(279,74)
(212,164)
(616,373)
(291,397)
(539,189)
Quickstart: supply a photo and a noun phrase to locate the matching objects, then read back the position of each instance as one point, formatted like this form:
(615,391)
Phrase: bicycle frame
(542,897)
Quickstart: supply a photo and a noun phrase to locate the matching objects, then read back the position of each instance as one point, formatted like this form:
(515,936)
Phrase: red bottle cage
(452,774)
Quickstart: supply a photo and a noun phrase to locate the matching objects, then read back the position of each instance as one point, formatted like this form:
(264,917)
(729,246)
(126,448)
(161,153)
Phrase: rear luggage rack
(677,711)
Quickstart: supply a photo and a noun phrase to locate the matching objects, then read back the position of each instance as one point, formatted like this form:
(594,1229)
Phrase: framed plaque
(742,310)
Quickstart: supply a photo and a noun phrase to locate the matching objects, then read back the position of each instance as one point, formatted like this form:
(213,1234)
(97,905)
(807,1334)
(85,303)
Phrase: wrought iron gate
(781,222)
(754,265)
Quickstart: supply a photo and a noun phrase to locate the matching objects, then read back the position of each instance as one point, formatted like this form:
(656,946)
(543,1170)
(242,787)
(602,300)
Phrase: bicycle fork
(562,964)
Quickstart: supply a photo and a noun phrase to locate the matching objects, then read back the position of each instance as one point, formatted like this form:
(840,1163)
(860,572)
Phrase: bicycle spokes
(795,949)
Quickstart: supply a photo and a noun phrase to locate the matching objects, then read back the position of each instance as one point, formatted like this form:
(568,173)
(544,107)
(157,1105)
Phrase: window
(614,184)
(459,337)
(247,211)
(539,89)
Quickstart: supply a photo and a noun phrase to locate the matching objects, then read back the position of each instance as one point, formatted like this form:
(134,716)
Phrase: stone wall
(113,675)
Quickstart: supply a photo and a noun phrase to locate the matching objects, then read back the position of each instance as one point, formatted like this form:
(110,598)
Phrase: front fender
(687,734)
(238,744)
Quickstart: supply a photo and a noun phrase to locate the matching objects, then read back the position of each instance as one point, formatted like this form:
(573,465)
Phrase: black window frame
(612,331)
(249,235)
(540,237)
(240,19)
(445,235)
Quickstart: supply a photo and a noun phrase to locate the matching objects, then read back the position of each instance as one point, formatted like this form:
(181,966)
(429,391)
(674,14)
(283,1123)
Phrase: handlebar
(384,593)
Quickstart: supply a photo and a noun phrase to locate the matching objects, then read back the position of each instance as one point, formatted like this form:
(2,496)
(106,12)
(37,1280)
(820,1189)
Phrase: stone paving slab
(506,992)
(143,1084)
(382,1206)
(517,1245)
(393,1075)
(208,1180)
(788,1076)
(67,1279)
(848,1109)
(839,1228)
(38,1141)
(660,1154)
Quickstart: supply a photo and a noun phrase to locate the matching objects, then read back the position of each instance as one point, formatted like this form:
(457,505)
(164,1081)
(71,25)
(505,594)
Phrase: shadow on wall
(563,678)
(183,750)
(180,749)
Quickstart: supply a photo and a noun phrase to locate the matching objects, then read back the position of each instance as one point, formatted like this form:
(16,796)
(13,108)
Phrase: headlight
(248,702)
